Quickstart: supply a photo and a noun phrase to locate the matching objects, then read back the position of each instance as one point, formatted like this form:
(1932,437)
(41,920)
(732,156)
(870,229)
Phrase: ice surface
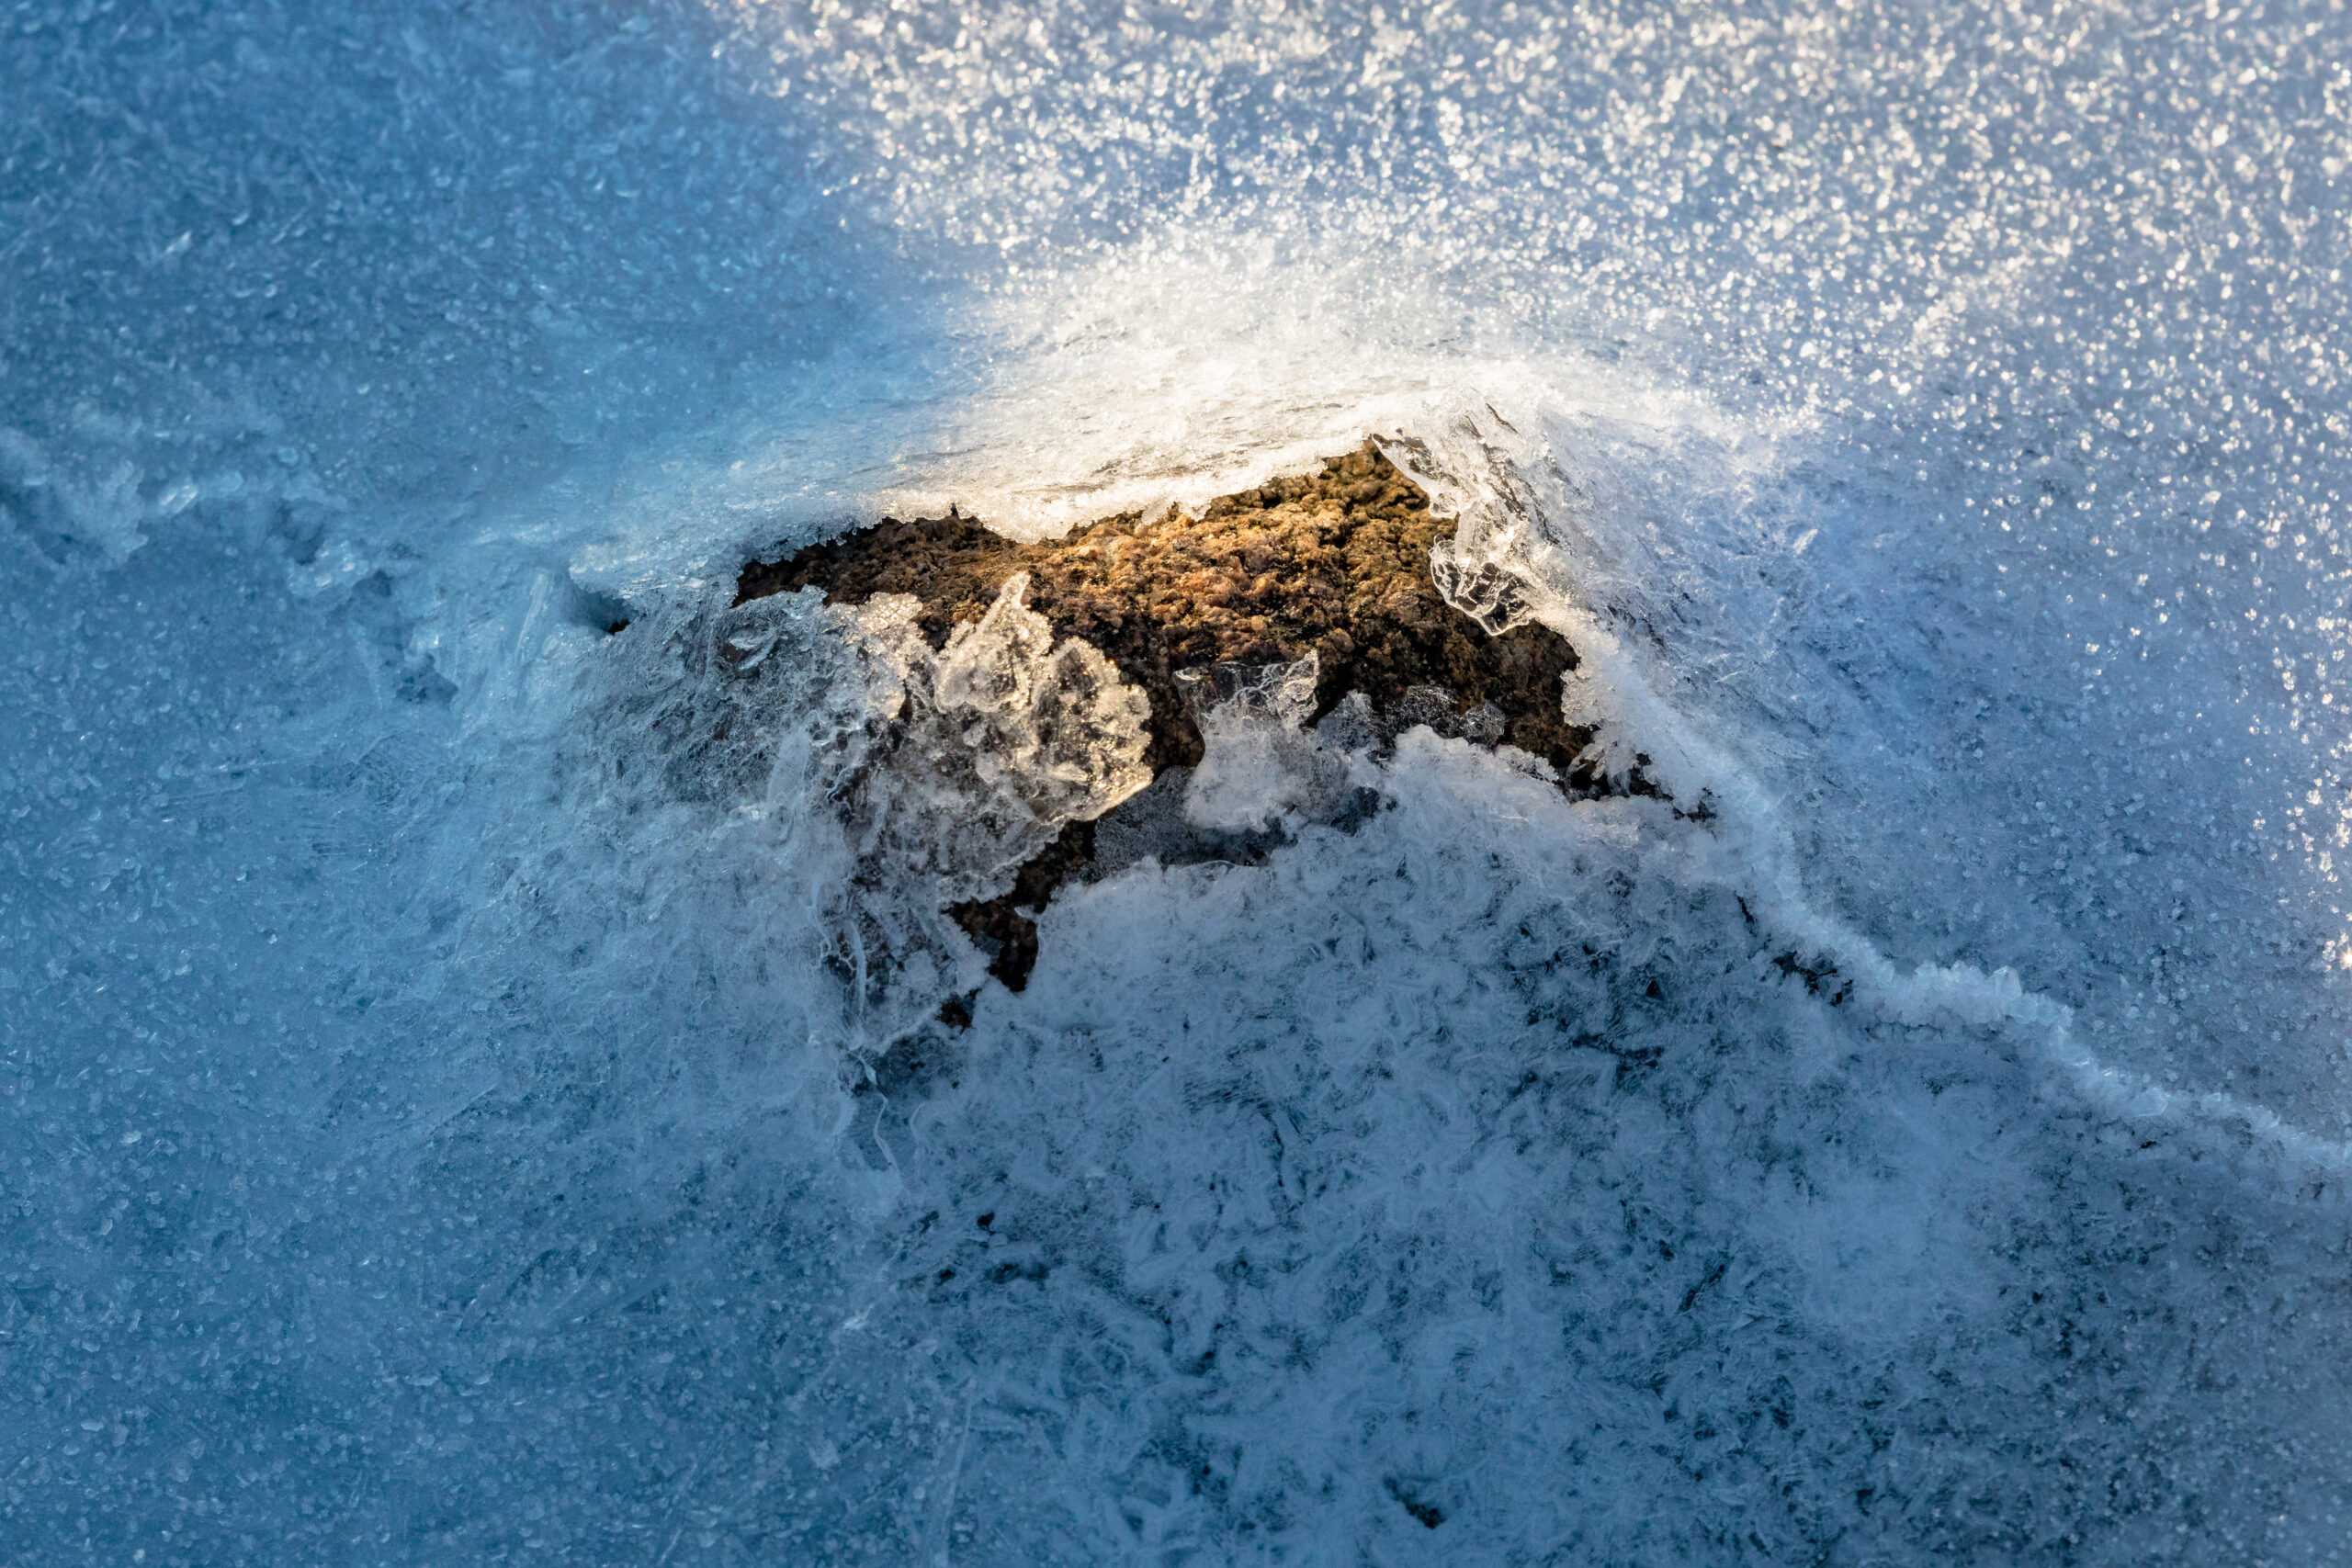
(463,1094)
(870,782)
(1261,762)
(1015,736)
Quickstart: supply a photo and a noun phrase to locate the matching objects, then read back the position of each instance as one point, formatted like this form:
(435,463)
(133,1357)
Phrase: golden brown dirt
(1336,563)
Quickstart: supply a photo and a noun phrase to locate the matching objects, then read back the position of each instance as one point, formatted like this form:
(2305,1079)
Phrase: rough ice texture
(1009,736)
(422,1137)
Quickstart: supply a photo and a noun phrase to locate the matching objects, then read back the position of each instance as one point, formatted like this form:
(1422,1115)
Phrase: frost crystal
(1260,763)
(1011,736)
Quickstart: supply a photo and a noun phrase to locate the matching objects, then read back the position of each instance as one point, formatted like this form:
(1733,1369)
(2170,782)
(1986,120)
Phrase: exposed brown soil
(1336,563)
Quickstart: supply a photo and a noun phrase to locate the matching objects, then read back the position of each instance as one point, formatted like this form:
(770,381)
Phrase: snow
(467,1088)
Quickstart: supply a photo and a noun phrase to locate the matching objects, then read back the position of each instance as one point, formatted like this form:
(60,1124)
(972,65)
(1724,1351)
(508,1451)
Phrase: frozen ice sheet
(441,1113)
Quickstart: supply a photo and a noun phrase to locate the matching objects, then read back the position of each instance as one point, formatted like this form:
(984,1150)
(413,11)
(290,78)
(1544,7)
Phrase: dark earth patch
(1336,564)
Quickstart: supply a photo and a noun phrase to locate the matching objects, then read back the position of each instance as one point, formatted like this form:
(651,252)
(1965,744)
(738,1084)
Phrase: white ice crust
(1260,762)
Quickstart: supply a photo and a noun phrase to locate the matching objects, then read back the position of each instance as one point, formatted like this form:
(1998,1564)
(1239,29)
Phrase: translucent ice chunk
(1285,693)
(882,781)
(1261,762)
(1010,738)
(1484,589)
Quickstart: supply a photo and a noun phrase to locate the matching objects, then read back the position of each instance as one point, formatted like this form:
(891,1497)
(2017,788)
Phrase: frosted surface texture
(1011,738)
(472,1085)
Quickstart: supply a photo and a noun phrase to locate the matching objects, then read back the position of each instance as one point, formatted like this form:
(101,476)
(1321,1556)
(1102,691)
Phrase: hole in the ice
(425,683)
(598,611)
(914,1066)
(34,512)
(301,527)
(1410,1499)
